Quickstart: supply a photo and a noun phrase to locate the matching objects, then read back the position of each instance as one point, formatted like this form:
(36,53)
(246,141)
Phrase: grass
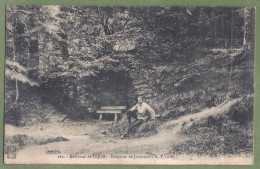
(18,142)
(147,129)
(209,141)
(226,134)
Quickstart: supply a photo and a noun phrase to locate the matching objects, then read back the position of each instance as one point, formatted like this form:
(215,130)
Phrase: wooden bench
(111,109)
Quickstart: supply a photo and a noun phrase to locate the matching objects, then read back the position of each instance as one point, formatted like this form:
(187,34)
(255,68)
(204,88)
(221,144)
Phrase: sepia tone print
(129,85)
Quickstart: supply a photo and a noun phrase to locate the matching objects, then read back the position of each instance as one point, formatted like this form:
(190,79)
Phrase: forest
(70,60)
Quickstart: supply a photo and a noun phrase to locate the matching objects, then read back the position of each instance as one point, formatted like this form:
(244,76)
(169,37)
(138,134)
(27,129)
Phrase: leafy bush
(219,135)
(18,142)
(148,128)
(13,115)
(243,112)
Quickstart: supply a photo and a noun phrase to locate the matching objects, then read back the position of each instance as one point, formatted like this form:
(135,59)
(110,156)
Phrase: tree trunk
(17,91)
(245,25)
(14,57)
(229,81)
(248,27)
(222,31)
(215,31)
(231,36)
(215,27)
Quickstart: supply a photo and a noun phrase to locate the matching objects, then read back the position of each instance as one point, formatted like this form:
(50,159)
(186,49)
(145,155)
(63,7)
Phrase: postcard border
(255,3)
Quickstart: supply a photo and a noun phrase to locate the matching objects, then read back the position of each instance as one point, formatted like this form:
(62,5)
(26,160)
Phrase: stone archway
(114,89)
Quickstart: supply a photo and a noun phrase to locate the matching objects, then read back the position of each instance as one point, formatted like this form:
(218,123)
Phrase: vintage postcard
(129,85)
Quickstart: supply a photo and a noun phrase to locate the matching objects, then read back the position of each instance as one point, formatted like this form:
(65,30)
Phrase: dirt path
(87,138)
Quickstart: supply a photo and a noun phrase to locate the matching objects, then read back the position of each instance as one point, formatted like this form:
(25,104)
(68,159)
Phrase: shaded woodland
(181,59)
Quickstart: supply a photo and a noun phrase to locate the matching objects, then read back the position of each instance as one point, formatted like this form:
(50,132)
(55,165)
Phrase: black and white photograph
(153,85)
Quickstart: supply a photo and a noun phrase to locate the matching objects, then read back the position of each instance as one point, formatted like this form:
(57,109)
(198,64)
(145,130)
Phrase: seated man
(140,113)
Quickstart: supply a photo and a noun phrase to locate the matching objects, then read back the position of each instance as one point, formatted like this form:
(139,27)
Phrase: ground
(89,138)
(75,140)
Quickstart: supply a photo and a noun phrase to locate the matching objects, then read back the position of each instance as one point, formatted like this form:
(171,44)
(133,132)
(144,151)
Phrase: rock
(145,90)
(149,95)
(139,82)
(124,45)
(141,86)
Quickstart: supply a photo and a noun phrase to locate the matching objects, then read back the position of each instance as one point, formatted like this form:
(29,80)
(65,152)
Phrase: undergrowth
(18,142)
(227,134)
(147,129)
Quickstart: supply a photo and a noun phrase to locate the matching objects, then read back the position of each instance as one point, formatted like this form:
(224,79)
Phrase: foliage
(188,58)
(18,142)
(31,110)
(220,135)
(18,72)
(69,36)
(147,129)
